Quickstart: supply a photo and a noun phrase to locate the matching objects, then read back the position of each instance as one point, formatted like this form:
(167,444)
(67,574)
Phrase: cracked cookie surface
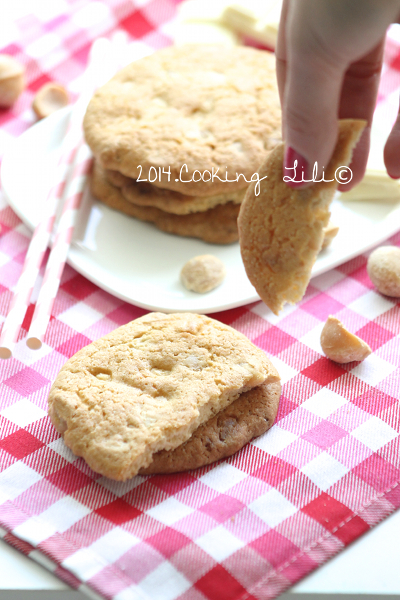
(148,386)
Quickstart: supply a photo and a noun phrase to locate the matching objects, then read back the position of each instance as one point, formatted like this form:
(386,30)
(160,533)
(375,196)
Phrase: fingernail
(295,169)
(394,176)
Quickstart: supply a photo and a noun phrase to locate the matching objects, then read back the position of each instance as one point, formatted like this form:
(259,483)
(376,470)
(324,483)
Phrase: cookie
(207,107)
(251,415)
(148,385)
(329,232)
(143,193)
(281,229)
(217,225)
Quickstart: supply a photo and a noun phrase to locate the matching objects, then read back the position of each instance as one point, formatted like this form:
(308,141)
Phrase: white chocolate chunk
(204,33)
(258,19)
(330,231)
(376,185)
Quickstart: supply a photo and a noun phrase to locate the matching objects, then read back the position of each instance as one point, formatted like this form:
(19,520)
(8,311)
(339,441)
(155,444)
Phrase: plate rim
(388,226)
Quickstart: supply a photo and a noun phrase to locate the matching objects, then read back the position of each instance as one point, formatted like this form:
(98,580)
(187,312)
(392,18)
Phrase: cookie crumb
(50,97)
(383,268)
(203,273)
(330,231)
(340,345)
(12,80)
(103,376)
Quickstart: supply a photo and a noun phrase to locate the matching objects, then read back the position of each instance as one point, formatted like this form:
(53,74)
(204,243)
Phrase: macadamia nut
(203,273)
(330,231)
(50,97)
(383,268)
(340,345)
(12,80)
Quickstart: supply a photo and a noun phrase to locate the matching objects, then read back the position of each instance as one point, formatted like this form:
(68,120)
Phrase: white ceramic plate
(140,264)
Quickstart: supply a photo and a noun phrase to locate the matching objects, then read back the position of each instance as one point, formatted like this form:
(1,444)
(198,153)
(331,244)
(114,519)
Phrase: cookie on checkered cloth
(149,385)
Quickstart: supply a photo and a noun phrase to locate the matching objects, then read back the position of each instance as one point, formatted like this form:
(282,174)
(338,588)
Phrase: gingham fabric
(245,528)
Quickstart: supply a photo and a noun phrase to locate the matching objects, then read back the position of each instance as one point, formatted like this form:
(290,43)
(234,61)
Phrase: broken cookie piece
(281,229)
(330,231)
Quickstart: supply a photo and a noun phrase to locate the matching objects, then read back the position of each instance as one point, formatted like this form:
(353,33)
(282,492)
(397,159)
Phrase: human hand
(329,58)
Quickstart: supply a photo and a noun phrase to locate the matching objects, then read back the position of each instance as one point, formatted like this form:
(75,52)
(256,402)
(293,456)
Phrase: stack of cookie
(163,394)
(178,136)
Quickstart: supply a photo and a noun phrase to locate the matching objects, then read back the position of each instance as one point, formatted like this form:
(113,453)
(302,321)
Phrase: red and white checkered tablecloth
(247,527)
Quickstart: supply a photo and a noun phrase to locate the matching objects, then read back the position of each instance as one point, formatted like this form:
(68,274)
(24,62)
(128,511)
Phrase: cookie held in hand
(281,230)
